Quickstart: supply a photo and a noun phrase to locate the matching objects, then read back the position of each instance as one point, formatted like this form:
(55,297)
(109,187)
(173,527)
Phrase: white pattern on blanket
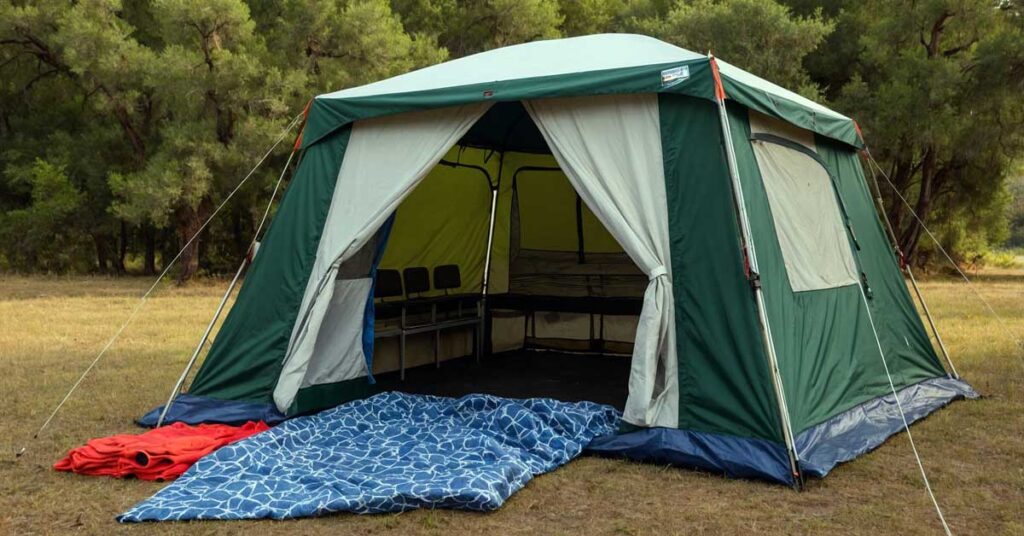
(388,453)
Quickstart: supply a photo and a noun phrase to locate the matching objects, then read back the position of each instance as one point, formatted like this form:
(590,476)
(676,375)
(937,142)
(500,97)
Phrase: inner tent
(559,314)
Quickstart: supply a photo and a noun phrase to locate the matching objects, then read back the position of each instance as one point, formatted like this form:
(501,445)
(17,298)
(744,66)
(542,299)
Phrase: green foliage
(1015,210)
(761,36)
(124,122)
(466,26)
(936,87)
(44,235)
(1002,258)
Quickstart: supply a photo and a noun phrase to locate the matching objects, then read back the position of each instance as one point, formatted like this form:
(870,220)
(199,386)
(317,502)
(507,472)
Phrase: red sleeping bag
(160,454)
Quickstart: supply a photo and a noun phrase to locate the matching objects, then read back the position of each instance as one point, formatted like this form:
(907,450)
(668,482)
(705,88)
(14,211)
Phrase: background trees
(936,85)
(124,122)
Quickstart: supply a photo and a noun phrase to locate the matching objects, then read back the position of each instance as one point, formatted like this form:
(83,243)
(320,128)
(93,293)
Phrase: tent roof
(530,60)
(592,64)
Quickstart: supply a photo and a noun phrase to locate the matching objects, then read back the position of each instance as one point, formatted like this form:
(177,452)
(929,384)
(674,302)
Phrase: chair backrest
(447,277)
(417,280)
(388,285)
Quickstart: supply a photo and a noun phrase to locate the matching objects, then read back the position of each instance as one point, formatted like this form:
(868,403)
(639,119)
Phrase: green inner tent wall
(444,221)
(245,359)
(826,350)
(547,211)
(724,385)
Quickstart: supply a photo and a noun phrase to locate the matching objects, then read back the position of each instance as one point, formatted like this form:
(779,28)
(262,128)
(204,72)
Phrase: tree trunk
(102,255)
(188,225)
(912,234)
(236,229)
(149,263)
(122,251)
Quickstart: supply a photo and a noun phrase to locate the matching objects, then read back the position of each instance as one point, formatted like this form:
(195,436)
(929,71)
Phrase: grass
(50,329)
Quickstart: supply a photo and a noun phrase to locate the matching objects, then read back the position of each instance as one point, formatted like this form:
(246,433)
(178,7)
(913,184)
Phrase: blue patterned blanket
(388,453)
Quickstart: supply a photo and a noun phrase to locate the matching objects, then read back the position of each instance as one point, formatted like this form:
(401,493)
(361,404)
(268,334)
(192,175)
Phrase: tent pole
(490,240)
(202,342)
(485,280)
(485,284)
(931,322)
(751,257)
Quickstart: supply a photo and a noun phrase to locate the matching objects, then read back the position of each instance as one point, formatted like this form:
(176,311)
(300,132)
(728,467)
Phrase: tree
(1015,210)
(209,81)
(44,234)
(196,94)
(936,87)
(59,82)
(760,36)
(124,122)
(467,26)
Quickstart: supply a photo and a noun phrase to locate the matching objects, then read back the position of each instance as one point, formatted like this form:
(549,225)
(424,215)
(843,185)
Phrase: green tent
(718,227)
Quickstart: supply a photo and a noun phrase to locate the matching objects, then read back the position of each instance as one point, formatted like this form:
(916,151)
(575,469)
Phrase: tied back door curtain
(386,158)
(610,149)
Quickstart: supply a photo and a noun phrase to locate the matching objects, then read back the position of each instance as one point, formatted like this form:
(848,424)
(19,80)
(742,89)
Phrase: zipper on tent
(753,274)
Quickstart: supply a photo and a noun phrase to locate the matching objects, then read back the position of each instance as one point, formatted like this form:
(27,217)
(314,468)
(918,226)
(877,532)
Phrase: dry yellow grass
(51,328)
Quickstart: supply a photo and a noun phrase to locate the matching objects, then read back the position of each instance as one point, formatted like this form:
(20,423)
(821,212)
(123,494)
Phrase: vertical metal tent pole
(485,280)
(910,273)
(485,284)
(202,342)
(748,243)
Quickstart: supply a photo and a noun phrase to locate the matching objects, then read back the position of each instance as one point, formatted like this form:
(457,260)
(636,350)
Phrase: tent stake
(202,342)
(748,245)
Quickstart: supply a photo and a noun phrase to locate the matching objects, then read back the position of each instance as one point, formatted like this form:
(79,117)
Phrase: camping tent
(721,224)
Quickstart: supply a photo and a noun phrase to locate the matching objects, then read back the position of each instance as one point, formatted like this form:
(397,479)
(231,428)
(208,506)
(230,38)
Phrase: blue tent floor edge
(193,409)
(820,448)
(738,457)
(865,427)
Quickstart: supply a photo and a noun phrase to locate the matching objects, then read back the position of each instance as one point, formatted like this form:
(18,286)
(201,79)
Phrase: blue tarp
(388,453)
(191,409)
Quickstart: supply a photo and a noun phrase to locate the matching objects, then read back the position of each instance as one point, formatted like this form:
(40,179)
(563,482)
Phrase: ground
(50,329)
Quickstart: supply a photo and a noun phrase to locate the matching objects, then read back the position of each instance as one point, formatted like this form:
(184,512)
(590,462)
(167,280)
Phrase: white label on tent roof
(675,75)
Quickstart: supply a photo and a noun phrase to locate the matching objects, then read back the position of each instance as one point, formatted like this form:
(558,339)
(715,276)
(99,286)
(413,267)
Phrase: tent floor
(521,374)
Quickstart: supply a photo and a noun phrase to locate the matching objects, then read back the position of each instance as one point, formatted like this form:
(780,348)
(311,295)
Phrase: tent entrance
(570,377)
(476,205)
(558,280)
(569,281)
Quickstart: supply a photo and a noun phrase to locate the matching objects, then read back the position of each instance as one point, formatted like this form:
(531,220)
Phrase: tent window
(807,218)
(360,265)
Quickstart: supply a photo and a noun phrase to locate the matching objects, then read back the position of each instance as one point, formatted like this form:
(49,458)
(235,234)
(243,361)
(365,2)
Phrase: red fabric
(160,454)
